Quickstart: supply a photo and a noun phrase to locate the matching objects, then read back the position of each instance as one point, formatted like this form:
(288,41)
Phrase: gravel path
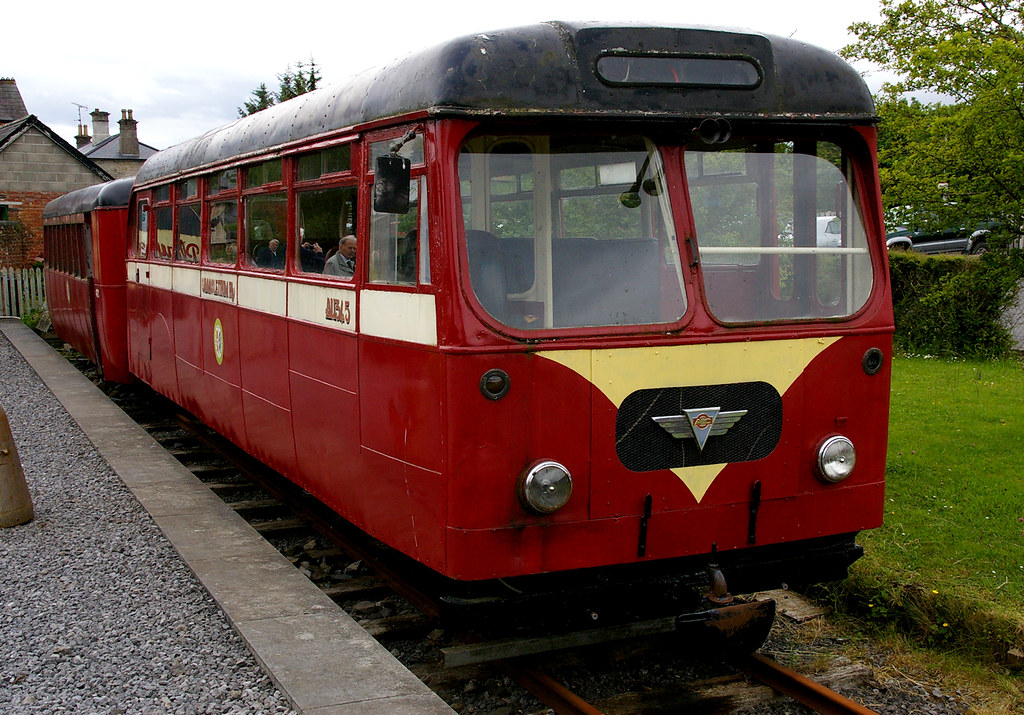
(97,612)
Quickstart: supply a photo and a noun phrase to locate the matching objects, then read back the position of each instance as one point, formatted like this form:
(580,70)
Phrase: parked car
(829,233)
(948,240)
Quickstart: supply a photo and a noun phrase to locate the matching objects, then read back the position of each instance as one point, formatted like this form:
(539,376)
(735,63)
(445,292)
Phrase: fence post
(3,292)
(21,291)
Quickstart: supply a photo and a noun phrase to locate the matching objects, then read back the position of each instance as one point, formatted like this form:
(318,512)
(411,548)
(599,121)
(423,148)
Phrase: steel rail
(548,690)
(802,689)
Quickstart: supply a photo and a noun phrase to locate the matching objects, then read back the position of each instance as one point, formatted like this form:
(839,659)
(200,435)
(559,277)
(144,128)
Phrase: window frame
(346,178)
(161,202)
(806,262)
(246,193)
(417,152)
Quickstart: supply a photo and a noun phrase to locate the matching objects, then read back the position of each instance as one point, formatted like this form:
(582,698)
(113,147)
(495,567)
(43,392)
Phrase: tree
(964,153)
(261,99)
(291,84)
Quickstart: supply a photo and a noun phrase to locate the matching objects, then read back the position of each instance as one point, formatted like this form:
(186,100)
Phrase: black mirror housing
(391,185)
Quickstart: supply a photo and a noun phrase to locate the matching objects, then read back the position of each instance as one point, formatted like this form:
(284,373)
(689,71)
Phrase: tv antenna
(80,108)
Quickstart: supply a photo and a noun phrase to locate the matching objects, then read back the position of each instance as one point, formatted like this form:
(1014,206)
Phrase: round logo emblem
(218,341)
(703,421)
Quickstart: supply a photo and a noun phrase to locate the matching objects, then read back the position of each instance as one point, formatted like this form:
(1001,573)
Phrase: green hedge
(952,305)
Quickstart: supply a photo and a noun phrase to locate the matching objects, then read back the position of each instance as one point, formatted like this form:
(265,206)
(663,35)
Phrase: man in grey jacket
(343,263)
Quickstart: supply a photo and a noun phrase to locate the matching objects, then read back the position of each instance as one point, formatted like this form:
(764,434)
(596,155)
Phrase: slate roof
(110,147)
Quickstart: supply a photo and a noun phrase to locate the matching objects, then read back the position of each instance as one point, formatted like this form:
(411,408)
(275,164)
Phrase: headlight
(836,459)
(545,487)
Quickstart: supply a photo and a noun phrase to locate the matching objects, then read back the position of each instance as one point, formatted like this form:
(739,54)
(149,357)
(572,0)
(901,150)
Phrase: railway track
(351,570)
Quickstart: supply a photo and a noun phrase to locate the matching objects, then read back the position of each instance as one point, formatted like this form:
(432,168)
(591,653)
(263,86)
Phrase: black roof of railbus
(545,70)
(111,193)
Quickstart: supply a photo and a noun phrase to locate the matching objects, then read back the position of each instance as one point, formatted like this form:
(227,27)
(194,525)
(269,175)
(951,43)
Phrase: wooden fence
(21,291)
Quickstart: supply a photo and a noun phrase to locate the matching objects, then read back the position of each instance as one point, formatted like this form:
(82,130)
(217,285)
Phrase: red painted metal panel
(324,355)
(221,319)
(494,553)
(404,507)
(262,346)
(137,301)
(325,409)
(109,240)
(545,415)
(164,376)
(189,345)
(268,431)
(400,413)
(328,458)
(188,330)
(221,407)
(219,403)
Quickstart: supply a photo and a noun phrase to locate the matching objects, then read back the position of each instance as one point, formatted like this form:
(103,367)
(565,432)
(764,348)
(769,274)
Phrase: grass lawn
(945,573)
(955,480)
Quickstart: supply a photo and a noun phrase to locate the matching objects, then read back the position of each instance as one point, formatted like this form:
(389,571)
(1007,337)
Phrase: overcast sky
(185,67)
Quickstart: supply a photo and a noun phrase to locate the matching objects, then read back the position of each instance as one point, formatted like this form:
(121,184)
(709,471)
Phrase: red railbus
(545,307)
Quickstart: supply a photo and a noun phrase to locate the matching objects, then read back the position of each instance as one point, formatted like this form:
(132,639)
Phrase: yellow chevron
(617,373)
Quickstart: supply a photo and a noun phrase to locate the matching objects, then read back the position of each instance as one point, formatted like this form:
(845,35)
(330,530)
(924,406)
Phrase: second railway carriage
(588,323)
(84,243)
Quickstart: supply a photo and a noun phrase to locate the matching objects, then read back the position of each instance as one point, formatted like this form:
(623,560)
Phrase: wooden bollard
(15,501)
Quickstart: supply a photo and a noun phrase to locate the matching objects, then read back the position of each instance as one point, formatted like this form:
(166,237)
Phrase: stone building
(121,154)
(36,165)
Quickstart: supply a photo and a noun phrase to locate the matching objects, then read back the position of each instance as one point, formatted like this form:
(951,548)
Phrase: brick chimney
(100,125)
(82,139)
(12,106)
(129,137)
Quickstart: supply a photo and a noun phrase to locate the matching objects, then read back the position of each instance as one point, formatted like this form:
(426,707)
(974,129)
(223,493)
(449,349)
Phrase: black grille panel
(643,445)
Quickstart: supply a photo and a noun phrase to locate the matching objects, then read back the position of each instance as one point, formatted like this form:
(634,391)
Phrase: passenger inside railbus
(270,256)
(343,263)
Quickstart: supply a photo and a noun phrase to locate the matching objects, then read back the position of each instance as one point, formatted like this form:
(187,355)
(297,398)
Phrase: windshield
(570,232)
(779,231)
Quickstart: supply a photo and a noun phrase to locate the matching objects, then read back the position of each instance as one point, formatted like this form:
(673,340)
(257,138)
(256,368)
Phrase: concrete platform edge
(320,658)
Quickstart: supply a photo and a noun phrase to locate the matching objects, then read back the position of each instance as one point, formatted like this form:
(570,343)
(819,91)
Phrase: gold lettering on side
(218,287)
(338,311)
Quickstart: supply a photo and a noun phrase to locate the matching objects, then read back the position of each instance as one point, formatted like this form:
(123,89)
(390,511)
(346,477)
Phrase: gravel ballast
(98,614)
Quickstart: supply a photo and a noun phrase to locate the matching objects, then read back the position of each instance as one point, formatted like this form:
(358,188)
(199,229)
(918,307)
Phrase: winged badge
(699,424)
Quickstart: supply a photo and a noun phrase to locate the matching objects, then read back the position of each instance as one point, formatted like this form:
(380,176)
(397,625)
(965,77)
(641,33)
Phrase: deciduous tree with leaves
(961,157)
(291,84)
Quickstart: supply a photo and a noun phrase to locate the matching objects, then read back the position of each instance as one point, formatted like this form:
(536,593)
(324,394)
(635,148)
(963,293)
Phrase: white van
(830,232)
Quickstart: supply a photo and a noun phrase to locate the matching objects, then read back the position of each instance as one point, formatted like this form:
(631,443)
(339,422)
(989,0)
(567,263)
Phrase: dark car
(949,240)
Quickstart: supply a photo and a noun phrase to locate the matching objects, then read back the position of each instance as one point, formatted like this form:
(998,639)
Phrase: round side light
(545,487)
(873,361)
(836,459)
(495,384)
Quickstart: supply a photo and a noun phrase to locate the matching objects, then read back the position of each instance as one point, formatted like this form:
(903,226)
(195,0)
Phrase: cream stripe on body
(400,315)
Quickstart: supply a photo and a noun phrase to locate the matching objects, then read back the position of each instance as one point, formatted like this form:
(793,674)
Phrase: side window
(223,232)
(399,243)
(335,160)
(266,217)
(326,221)
(142,228)
(187,244)
(265,226)
(222,181)
(164,233)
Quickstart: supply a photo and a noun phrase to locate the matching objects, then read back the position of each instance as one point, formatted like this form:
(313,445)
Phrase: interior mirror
(391,185)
